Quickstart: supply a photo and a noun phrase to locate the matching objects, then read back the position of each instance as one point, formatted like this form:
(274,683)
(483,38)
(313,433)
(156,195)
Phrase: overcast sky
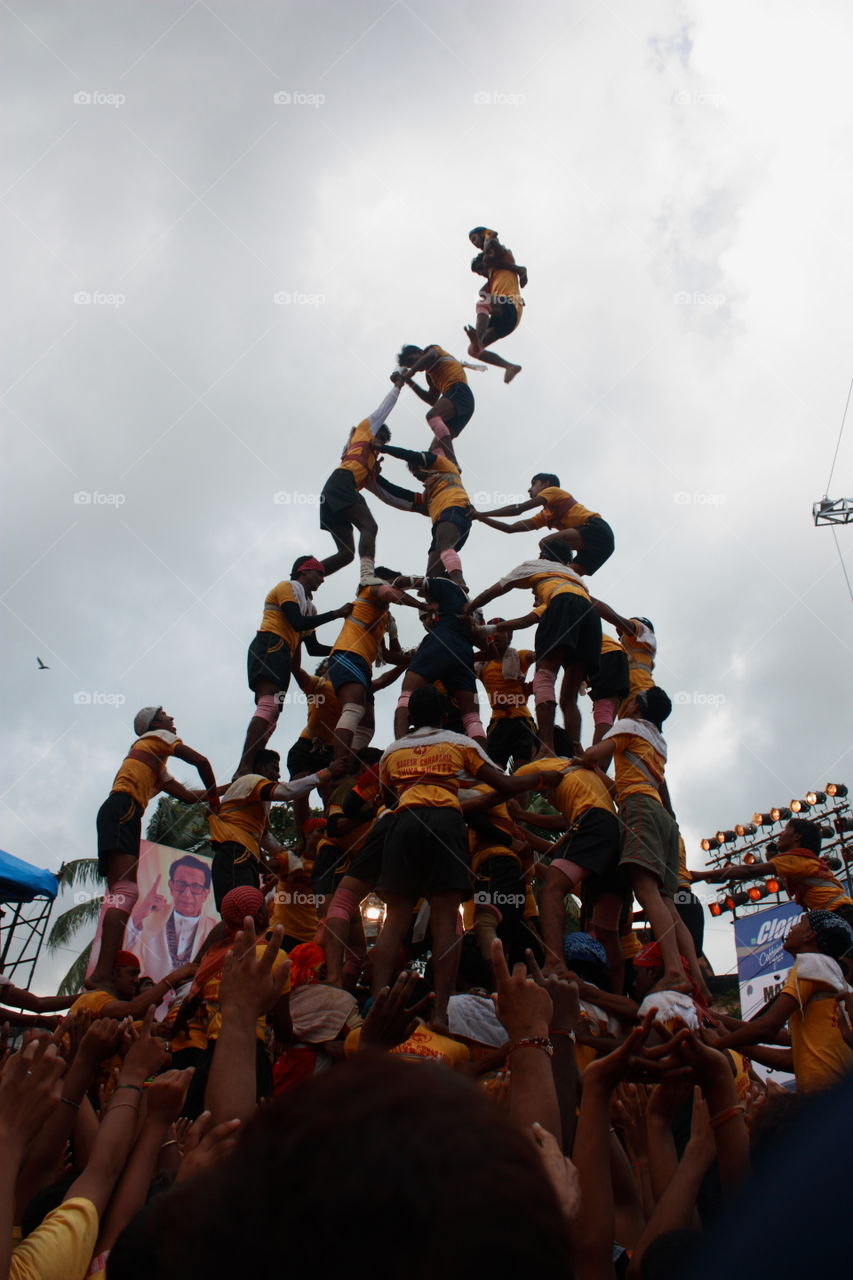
(677,178)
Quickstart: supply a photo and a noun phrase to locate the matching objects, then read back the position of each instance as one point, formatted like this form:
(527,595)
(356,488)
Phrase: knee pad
(439,427)
(124,895)
(450,560)
(344,905)
(482,309)
(473,724)
(544,686)
(351,716)
(604,711)
(268,708)
(361,738)
(387,594)
(403,700)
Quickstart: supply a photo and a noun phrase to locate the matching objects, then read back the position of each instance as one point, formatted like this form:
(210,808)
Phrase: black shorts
(350,668)
(367,863)
(612,680)
(449,659)
(119,825)
(232,865)
(338,495)
(460,520)
(461,397)
(593,842)
(570,622)
(307,757)
(499,883)
(329,865)
(426,852)
(597,546)
(692,915)
(269,661)
(511,738)
(504,317)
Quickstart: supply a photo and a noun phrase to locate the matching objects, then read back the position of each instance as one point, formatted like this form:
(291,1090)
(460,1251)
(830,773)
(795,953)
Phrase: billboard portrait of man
(175,911)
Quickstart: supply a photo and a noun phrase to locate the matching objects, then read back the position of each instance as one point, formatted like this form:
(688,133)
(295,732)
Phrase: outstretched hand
(523,1007)
(391,1020)
(249,982)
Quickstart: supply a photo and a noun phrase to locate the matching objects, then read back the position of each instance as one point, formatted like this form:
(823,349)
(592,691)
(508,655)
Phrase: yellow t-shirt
(62,1245)
(545,583)
(812,886)
(210,999)
(821,1057)
(560,511)
(243,812)
(482,847)
(324,711)
(273,618)
(427,768)
(443,488)
(641,650)
(579,790)
(423,1045)
(91,1002)
(143,778)
(504,284)
(360,455)
(294,906)
(506,696)
(631,779)
(446,371)
(609,644)
(363,630)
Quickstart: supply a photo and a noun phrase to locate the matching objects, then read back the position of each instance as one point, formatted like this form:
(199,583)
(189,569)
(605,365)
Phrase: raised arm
(205,771)
(376,419)
(514,508)
(615,619)
(520,526)
(764,1029)
(486,597)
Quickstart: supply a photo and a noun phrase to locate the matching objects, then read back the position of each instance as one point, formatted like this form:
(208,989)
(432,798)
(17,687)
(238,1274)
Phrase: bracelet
(173,1142)
(136,1088)
(570,1035)
(69,1102)
(722,1117)
(533,1042)
(117,1106)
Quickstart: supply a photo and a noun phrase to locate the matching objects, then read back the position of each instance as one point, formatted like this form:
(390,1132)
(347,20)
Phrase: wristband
(533,1042)
(172,1142)
(722,1117)
(570,1035)
(117,1106)
(136,1088)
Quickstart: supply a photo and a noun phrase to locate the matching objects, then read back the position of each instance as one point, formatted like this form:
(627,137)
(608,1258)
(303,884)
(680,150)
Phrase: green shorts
(649,840)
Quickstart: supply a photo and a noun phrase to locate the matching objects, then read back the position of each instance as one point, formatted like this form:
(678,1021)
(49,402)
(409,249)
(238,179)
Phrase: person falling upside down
(289,614)
(483,238)
(444,500)
(141,776)
(500,304)
(450,398)
(583,532)
(342,508)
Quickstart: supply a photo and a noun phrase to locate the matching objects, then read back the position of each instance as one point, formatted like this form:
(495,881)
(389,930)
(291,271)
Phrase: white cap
(144,719)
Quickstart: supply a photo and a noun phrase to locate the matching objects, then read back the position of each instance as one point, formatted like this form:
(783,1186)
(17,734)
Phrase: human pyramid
(436,817)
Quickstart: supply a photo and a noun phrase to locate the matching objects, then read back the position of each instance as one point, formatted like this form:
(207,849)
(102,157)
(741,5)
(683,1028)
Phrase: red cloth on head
(312,563)
(238,903)
(307,958)
(126,960)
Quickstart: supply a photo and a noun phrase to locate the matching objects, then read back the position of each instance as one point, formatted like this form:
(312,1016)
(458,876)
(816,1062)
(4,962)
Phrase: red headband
(311,563)
(126,960)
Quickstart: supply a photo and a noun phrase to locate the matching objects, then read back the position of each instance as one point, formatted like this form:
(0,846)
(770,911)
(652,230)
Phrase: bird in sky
(42,665)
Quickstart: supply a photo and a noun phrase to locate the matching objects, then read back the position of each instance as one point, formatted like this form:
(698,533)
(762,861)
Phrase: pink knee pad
(473,724)
(268,708)
(403,700)
(124,895)
(450,560)
(544,686)
(439,426)
(604,711)
(482,309)
(343,906)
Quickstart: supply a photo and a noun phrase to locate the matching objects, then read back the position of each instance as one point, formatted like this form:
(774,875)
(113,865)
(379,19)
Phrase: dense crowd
(522,1070)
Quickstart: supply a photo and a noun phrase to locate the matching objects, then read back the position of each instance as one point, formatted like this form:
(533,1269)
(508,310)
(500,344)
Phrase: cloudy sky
(219,223)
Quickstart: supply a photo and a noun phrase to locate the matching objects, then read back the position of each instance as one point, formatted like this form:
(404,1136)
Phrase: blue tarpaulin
(19,882)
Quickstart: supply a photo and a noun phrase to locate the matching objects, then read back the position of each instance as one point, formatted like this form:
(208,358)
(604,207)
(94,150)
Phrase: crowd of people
(524,1070)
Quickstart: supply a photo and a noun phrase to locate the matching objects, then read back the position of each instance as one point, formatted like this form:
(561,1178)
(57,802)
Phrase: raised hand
(166,1094)
(145,1056)
(152,902)
(249,982)
(206,1146)
(28,1091)
(390,1022)
(523,1007)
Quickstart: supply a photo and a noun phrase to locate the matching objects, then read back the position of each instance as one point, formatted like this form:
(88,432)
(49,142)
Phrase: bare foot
(474,348)
(511,372)
(673,982)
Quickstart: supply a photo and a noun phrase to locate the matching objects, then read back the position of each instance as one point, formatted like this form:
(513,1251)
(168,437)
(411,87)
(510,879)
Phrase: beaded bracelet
(570,1035)
(729,1114)
(136,1088)
(533,1042)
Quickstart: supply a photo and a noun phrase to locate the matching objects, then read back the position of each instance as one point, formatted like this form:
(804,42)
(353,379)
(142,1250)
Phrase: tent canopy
(19,882)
